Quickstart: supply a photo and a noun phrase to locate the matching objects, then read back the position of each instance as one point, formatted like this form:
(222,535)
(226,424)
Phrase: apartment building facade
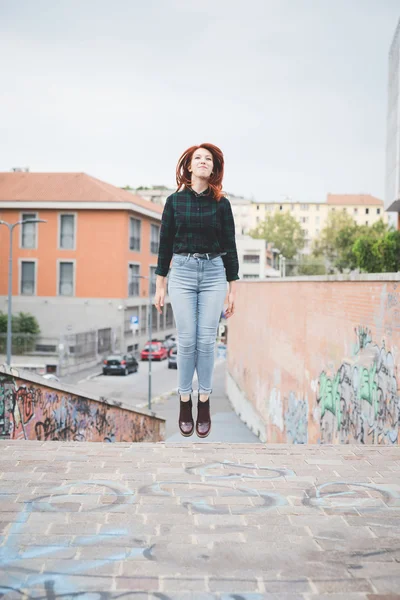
(363,208)
(154,194)
(392,183)
(241,210)
(257,260)
(88,267)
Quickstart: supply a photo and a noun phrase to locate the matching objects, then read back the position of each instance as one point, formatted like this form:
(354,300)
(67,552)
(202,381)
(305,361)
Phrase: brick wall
(316,359)
(32,410)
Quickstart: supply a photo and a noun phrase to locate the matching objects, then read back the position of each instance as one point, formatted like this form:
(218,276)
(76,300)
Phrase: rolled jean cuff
(185,392)
(203,391)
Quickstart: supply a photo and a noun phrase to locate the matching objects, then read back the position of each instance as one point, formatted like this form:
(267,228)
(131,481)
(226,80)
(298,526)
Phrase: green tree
(3,322)
(25,328)
(311,265)
(27,323)
(283,231)
(336,240)
(378,254)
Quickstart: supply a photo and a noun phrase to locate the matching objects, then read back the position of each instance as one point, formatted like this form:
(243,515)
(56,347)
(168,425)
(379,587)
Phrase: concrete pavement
(199,521)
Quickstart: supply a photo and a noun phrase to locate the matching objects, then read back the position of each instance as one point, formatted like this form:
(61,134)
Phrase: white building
(252,257)
(241,209)
(392,194)
(155,194)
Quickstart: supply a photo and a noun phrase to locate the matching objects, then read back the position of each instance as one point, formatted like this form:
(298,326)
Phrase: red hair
(183,175)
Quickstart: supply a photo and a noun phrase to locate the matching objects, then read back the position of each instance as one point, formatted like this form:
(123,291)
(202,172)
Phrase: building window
(333,208)
(247,276)
(257,219)
(280,207)
(378,211)
(258,207)
(317,207)
(154,236)
(367,211)
(28,234)
(134,281)
(134,234)
(355,211)
(344,209)
(28,278)
(251,258)
(292,206)
(66,279)
(317,220)
(153,277)
(366,222)
(303,219)
(317,231)
(67,232)
(303,206)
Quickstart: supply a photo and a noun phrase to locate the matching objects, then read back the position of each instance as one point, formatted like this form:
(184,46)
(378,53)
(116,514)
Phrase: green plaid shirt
(197,223)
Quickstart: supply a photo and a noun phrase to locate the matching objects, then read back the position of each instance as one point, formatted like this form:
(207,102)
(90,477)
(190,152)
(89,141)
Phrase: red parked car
(157,349)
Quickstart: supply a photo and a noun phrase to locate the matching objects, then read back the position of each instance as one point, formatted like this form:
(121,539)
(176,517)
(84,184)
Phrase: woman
(198,234)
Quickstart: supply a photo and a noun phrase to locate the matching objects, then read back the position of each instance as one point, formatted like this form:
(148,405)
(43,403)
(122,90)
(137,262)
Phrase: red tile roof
(356,199)
(65,187)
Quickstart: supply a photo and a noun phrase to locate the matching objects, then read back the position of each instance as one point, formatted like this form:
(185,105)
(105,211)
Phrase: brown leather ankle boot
(203,421)
(186,423)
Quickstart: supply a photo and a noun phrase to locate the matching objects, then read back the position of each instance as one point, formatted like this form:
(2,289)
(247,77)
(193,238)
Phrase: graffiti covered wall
(319,359)
(33,411)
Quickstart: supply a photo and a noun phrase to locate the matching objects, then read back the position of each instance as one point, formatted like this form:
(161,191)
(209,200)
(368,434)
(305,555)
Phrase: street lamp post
(150,332)
(11,227)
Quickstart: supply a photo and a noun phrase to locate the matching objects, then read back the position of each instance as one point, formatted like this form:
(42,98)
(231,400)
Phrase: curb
(89,377)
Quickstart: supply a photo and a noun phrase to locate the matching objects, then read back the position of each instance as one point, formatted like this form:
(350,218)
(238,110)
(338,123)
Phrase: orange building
(79,270)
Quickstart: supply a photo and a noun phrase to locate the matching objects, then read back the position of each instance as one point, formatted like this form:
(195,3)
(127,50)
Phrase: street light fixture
(11,227)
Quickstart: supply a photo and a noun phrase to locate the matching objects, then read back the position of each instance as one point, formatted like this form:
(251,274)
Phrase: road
(133,388)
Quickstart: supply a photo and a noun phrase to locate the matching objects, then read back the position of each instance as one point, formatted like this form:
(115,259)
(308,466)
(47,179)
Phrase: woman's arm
(165,250)
(231,261)
(167,235)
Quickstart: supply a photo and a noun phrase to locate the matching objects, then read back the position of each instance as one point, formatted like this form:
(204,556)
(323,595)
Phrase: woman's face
(202,163)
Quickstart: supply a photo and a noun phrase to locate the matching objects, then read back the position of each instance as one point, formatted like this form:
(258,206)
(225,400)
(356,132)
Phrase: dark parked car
(120,364)
(172,358)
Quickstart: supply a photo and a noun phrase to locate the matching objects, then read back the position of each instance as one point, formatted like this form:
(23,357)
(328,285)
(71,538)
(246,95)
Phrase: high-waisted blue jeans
(197,288)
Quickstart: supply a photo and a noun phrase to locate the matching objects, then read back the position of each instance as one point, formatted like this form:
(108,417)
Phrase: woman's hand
(230,311)
(159,296)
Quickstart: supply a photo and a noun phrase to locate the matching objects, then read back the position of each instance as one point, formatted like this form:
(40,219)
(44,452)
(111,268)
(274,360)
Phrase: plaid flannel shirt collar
(204,193)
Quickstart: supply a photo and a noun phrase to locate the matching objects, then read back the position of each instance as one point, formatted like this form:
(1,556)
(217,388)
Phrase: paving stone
(387,584)
(342,586)
(383,596)
(183,584)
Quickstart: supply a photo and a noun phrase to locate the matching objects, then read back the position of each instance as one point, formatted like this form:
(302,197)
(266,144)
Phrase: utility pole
(11,227)
(149,333)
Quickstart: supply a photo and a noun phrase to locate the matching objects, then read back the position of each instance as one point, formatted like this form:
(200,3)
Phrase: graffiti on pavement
(342,496)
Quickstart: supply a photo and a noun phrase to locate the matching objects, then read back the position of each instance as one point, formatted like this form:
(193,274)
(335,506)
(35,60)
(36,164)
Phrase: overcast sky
(293,91)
